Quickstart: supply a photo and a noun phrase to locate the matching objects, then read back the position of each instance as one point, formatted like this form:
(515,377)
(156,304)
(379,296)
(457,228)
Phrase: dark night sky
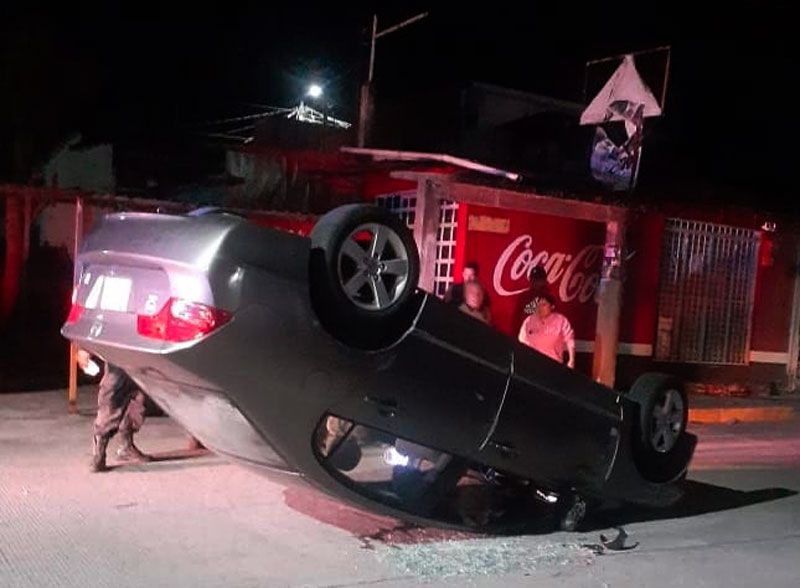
(729,101)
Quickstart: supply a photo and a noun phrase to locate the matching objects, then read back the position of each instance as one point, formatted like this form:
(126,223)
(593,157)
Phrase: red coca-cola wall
(508,244)
(640,288)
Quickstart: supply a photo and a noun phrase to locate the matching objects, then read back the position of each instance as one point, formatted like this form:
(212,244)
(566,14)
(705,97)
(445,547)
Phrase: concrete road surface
(195,520)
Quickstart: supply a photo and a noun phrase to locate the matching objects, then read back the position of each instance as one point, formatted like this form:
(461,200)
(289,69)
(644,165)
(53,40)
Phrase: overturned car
(320,360)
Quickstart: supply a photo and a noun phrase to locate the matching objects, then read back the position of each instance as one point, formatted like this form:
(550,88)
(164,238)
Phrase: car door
(442,386)
(556,425)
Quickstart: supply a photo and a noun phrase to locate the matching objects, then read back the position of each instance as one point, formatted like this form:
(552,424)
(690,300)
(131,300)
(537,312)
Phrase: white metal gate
(708,275)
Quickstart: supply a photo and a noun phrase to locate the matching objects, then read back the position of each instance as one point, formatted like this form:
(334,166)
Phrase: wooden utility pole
(609,305)
(365,104)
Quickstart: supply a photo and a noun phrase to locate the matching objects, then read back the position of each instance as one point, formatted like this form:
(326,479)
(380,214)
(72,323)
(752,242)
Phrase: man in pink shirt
(549,332)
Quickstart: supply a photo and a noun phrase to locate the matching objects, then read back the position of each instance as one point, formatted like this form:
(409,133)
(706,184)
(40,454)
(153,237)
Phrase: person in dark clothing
(120,409)
(455,293)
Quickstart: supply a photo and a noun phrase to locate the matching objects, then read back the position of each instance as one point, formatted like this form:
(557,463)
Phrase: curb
(730,415)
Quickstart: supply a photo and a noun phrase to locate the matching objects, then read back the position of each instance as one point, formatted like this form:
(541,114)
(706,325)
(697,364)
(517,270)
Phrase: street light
(314,91)
(364,100)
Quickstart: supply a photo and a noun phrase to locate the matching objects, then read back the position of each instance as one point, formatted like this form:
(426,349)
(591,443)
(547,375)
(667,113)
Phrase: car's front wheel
(663,415)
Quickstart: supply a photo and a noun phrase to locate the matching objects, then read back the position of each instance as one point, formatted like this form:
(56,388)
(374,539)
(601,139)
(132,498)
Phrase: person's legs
(132,421)
(120,407)
(113,396)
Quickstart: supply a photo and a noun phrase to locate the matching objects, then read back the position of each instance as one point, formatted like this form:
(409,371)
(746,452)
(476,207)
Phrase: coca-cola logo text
(570,272)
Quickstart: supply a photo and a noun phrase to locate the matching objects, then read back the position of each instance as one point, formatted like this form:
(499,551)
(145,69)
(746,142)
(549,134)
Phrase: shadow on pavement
(367,527)
(170,460)
(524,518)
(179,454)
(699,498)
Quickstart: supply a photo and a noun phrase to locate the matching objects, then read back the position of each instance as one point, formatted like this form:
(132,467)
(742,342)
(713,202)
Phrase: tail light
(76,310)
(75,313)
(180,320)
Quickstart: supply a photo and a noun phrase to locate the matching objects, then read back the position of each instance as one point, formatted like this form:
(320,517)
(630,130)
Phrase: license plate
(110,293)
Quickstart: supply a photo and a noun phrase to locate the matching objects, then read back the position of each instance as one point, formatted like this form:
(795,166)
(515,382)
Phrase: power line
(258,116)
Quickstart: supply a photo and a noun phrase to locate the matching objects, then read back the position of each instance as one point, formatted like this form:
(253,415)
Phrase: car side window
(405,475)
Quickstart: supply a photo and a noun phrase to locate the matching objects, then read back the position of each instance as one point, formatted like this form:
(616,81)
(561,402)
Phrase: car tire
(363,275)
(660,426)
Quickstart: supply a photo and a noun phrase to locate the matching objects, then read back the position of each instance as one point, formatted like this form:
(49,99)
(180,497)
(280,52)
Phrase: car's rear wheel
(364,270)
(663,415)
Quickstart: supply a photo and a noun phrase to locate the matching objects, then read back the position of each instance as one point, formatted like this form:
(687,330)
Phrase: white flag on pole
(623,88)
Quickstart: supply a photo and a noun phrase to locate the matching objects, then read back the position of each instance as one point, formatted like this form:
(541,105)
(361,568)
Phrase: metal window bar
(706,292)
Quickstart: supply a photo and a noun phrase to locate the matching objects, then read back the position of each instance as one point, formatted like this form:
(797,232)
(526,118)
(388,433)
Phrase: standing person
(537,287)
(120,408)
(455,293)
(549,332)
(475,302)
